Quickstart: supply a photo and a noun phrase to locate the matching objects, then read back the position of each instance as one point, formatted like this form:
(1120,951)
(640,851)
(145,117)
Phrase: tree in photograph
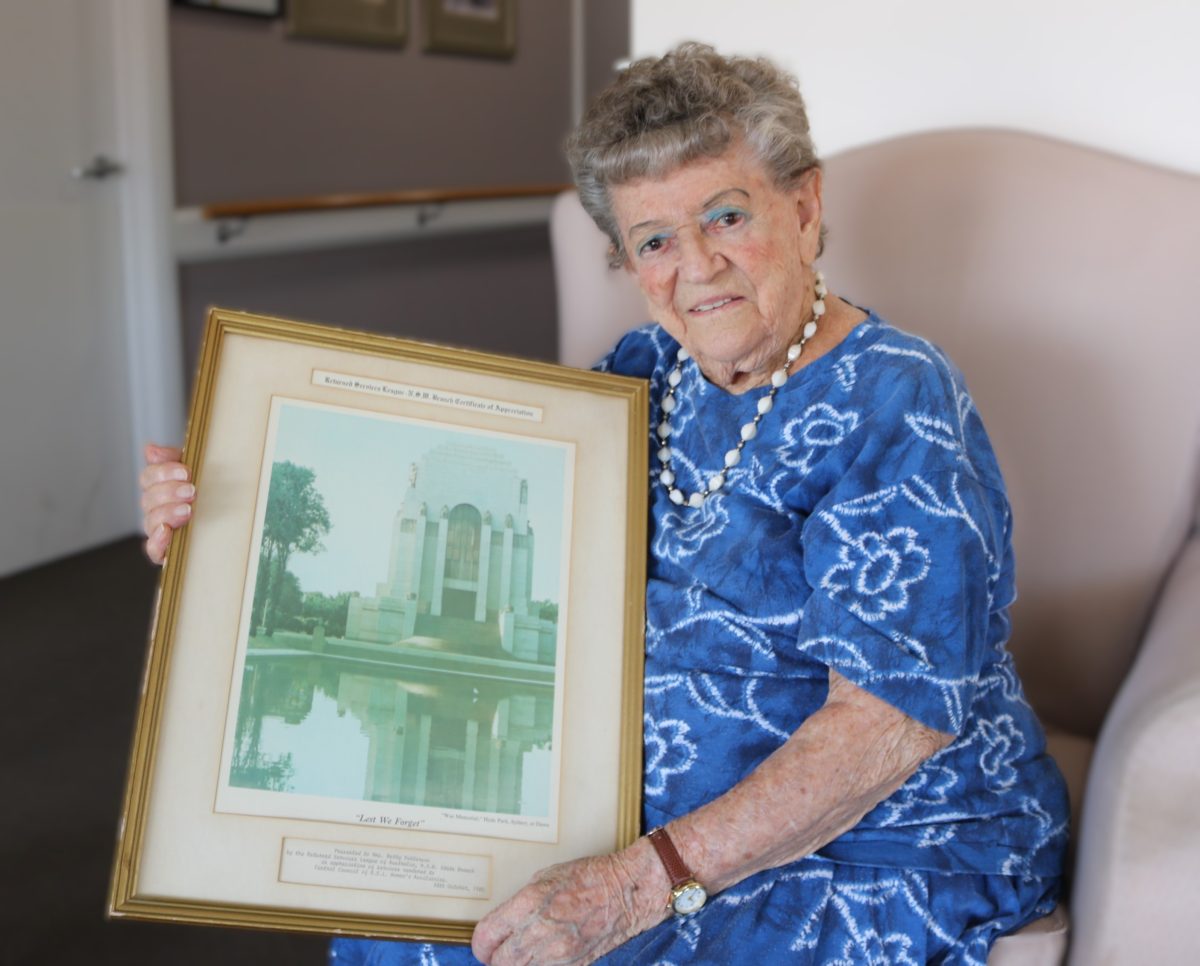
(251,768)
(295,522)
(288,603)
(328,611)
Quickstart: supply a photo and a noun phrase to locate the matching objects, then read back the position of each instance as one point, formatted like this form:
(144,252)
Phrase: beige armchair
(1059,279)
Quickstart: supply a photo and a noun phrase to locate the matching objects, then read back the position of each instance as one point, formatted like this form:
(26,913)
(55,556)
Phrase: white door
(67,464)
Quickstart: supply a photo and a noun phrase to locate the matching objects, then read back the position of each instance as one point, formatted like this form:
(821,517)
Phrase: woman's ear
(807,196)
(613,253)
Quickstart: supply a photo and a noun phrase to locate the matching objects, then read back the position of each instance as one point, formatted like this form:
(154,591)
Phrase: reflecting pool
(403,724)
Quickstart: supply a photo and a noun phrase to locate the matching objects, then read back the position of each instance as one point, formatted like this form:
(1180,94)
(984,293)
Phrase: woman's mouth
(715,303)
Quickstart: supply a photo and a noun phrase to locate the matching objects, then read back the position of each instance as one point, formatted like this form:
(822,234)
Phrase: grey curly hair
(662,113)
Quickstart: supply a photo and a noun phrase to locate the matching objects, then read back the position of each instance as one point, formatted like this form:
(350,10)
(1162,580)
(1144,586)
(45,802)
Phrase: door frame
(149,292)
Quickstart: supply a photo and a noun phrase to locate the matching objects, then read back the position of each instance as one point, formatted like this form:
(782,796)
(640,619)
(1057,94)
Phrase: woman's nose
(699,258)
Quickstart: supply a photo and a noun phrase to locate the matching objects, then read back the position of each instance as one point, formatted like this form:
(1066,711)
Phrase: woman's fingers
(158,543)
(159,524)
(569,914)
(495,928)
(170,515)
(167,494)
(154,453)
(154,473)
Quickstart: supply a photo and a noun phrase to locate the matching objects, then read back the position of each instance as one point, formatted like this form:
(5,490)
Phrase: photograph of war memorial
(402,621)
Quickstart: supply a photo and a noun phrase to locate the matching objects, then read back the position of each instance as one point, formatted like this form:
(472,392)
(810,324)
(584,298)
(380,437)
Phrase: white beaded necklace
(748,431)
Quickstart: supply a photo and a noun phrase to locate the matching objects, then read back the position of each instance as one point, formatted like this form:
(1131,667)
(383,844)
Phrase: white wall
(1116,75)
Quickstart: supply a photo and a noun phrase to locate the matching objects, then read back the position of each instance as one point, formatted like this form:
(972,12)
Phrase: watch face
(689,898)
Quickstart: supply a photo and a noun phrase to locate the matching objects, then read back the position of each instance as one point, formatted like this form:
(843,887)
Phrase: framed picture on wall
(257,8)
(487,28)
(396,663)
(383,22)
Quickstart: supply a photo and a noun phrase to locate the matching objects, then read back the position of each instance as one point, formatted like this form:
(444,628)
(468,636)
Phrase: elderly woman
(840,764)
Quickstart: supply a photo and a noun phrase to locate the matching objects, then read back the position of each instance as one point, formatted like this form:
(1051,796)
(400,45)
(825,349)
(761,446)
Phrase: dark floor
(74,634)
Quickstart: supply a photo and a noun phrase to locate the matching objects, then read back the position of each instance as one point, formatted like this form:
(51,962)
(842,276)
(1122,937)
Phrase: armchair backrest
(596,304)
(1059,280)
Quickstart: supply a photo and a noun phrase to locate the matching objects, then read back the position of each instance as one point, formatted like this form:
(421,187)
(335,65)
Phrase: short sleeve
(904,583)
(636,353)
(605,362)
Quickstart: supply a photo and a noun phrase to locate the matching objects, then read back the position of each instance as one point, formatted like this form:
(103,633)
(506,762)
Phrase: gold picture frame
(378,22)
(484,28)
(474,717)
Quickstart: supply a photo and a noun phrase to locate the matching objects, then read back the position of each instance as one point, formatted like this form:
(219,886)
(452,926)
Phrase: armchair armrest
(1137,885)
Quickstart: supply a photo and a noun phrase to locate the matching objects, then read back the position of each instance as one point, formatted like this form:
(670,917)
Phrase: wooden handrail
(339,202)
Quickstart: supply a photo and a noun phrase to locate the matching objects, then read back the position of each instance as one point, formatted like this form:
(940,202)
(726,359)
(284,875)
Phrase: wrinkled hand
(576,912)
(167,496)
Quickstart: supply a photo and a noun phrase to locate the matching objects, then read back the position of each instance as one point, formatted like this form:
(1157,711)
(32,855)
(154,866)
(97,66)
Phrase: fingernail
(185,492)
(183,510)
(179,473)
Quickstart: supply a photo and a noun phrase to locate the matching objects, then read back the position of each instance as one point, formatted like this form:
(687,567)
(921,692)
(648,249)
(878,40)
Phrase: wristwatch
(687,895)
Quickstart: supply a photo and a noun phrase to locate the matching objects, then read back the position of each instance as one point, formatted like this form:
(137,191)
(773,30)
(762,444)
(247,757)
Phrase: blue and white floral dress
(865,529)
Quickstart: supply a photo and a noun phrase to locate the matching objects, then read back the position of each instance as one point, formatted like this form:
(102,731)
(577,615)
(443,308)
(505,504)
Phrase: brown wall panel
(606,40)
(259,114)
(490,290)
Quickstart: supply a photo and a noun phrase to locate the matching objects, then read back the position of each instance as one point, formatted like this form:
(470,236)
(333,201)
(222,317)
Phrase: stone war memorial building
(449,669)
(460,567)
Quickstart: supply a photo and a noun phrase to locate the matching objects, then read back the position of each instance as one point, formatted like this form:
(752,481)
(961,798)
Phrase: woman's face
(723,257)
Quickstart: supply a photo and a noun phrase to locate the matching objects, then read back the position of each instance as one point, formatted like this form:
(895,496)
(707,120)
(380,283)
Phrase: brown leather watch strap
(671,860)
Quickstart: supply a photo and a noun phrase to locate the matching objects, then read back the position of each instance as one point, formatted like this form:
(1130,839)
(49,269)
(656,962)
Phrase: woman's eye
(650,246)
(727,218)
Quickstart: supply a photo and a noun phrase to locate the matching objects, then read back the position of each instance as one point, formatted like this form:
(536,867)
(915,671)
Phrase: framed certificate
(383,22)
(485,28)
(396,663)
